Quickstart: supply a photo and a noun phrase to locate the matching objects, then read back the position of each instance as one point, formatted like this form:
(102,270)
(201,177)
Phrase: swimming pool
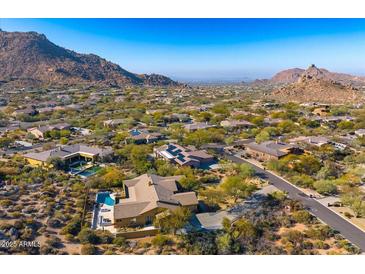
(90,171)
(104,198)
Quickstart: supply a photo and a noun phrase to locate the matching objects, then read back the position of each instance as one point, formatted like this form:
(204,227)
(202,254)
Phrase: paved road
(349,231)
(11,151)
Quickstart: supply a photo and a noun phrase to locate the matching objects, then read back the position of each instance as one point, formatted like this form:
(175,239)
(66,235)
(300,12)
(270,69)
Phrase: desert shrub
(161,240)
(321,245)
(319,233)
(88,249)
(73,227)
(348,215)
(302,216)
(54,223)
(88,236)
(54,242)
(120,241)
(105,237)
(325,187)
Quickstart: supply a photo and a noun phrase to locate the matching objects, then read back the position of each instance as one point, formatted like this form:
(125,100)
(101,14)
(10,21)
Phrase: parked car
(335,204)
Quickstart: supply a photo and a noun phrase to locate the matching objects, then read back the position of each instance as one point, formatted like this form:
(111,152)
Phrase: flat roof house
(112,123)
(69,154)
(236,124)
(182,156)
(360,132)
(271,150)
(197,126)
(311,140)
(149,195)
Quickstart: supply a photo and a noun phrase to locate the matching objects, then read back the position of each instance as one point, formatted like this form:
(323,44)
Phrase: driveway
(213,220)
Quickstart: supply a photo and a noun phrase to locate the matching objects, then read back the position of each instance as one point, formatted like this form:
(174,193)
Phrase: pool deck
(103,211)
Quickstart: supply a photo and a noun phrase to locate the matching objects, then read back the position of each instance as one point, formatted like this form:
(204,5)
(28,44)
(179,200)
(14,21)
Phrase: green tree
(57,163)
(120,241)
(295,237)
(65,133)
(302,180)
(161,240)
(262,137)
(237,187)
(139,156)
(212,196)
(325,187)
(345,125)
(173,220)
(164,168)
(307,164)
(189,182)
(302,216)
(5,142)
(112,177)
(73,227)
(328,171)
(63,140)
(244,170)
(88,236)
(224,243)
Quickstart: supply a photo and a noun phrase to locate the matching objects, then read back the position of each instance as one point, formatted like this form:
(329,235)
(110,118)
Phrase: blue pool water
(135,132)
(104,198)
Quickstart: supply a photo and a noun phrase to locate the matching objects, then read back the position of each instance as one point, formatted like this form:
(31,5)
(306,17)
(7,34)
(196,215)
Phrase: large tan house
(69,154)
(149,195)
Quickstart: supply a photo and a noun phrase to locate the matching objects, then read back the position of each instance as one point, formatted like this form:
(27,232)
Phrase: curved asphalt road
(349,231)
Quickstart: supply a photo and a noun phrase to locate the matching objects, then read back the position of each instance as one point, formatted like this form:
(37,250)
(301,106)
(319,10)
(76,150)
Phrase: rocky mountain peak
(312,72)
(30,57)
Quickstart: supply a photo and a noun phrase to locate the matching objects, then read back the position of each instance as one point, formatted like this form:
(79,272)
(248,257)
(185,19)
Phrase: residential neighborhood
(97,160)
(131,172)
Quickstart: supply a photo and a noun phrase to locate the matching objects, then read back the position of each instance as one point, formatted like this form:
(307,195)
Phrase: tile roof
(150,191)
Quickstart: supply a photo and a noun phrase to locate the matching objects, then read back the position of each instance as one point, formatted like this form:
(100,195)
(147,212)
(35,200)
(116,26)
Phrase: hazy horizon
(209,50)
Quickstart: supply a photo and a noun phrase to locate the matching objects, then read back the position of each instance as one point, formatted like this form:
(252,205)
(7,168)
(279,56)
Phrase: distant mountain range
(30,59)
(292,75)
(317,85)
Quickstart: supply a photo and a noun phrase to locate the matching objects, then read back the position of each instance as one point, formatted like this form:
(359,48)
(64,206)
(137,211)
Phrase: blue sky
(210,49)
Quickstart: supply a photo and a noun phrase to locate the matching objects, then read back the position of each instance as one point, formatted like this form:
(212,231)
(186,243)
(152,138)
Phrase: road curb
(314,199)
(343,217)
